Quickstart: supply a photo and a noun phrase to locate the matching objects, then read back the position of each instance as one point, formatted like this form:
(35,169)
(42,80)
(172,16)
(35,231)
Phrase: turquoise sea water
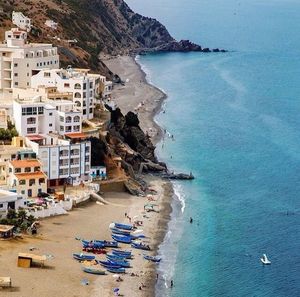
(236,122)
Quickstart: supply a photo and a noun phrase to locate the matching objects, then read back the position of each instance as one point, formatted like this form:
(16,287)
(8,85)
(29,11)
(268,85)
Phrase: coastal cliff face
(100,27)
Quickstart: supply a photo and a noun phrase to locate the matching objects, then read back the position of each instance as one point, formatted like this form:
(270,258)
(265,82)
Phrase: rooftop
(76,135)
(25,163)
(30,175)
(6,228)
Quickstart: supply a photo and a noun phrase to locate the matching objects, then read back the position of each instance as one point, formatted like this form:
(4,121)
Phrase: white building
(64,160)
(21,21)
(83,85)
(105,88)
(10,200)
(19,60)
(38,115)
(51,24)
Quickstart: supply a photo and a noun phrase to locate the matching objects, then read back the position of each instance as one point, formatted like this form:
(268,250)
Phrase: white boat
(265,260)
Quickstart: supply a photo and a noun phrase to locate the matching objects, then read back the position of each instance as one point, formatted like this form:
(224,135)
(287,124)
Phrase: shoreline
(116,66)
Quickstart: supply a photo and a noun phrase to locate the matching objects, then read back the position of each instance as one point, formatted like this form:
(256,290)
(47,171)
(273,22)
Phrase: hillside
(99,26)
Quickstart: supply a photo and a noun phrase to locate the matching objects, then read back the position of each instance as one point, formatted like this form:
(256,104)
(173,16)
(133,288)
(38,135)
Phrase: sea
(235,122)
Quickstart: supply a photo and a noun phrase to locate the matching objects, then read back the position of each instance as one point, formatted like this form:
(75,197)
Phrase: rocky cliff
(94,27)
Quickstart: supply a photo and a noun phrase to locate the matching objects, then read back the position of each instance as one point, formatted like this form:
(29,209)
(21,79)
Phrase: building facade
(19,60)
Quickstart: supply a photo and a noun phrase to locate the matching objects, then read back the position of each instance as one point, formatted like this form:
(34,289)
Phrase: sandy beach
(62,275)
(137,95)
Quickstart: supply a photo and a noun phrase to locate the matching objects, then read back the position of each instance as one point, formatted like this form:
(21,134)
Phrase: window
(87,149)
(27,63)
(27,74)
(68,119)
(22,182)
(41,180)
(15,64)
(91,84)
(41,64)
(86,159)
(37,64)
(31,182)
(40,110)
(17,170)
(84,94)
(31,121)
(46,74)
(23,193)
(76,119)
(91,110)
(77,95)
(37,168)
(16,83)
(15,74)
(27,169)
(1,205)
(31,130)
(62,119)
(61,128)
(84,86)
(27,84)
(50,125)
(77,86)
(67,85)
(84,111)
(50,114)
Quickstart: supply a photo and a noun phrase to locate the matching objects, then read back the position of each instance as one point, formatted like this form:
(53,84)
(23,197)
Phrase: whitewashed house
(11,200)
(51,24)
(21,21)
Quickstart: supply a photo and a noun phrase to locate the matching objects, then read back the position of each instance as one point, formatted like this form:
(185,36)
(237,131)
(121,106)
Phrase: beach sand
(137,93)
(62,275)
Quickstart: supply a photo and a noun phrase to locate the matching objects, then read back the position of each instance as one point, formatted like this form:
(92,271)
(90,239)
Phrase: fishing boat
(83,257)
(152,258)
(115,257)
(109,264)
(93,270)
(140,246)
(116,270)
(119,231)
(264,259)
(92,244)
(121,263)
(107,243)
(121,252)
(121,238)
(123,226)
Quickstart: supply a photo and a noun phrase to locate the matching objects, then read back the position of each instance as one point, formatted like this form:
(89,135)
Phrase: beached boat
(152,258)
(92,244)
(140,246)
(107,243)
(121,252)
(116,270)
(121,238)
(124,226)
(120,231)
(109,264)
(115,257)
(93,270)
(265,260)
(122,263)
(83,257)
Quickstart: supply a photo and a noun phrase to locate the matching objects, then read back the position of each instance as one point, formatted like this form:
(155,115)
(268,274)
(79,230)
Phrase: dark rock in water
(206,50)
(216,50)
(181,176)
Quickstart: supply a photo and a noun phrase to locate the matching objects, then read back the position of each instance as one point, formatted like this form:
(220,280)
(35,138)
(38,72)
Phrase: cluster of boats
(117,260)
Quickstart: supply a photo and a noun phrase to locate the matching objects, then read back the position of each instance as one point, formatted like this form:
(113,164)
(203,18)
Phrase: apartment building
(10,200)
(19,60)
(26,177)
(105,88)
(83,85)
(43,111)
(65,159)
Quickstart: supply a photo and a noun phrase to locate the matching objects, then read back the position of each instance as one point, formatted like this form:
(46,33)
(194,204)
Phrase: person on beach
(125,214)
(191,220)
(172,284)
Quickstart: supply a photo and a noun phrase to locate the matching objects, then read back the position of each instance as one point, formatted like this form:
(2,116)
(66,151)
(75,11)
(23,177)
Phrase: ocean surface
(235,119)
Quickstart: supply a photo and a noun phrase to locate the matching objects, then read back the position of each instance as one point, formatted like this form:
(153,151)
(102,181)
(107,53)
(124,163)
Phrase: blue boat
(124,226)
(83,257)
(121,252)
(92,244)
(121,238)
(116,270)
(140,246)
(109,264)
(121,263)
(119,231)
(93,270)
(137,236)
(152,258)
(115,257)
(107,243)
